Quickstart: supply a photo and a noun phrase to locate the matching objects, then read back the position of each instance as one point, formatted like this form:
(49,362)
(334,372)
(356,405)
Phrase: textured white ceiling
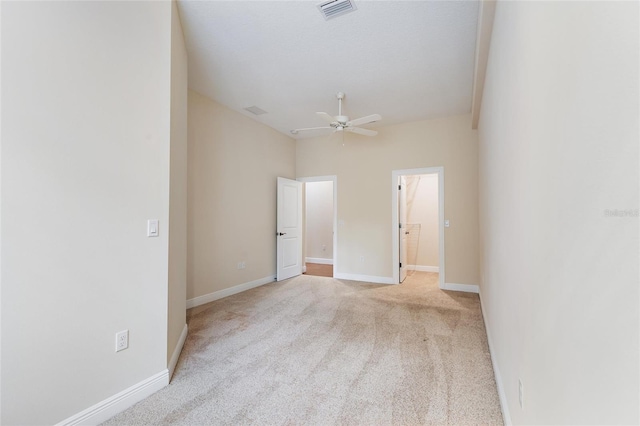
(405,60)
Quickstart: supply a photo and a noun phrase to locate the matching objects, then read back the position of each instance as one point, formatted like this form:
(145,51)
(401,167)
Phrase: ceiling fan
(341,122)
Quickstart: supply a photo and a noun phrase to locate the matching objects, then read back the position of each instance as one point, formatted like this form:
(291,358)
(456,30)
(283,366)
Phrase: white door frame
(334,179)
(395,244)
(402,228)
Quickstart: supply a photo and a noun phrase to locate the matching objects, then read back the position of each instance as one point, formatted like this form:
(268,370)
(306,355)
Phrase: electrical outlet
(122,340)
(324,247)
(521,393)
(361,258)
(242,265)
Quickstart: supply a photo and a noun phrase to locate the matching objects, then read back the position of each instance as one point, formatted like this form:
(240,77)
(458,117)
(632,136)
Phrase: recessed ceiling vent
(255,110)
(334,8)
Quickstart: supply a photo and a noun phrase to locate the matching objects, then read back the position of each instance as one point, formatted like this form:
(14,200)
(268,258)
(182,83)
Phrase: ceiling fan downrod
(342,119)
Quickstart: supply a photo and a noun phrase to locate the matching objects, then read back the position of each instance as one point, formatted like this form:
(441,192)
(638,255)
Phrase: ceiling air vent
(334,8)
(255,110)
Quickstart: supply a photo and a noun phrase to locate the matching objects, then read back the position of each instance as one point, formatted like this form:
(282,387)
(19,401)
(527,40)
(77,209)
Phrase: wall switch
(446,223)
(361,258)
(521,394)
(122,340)
(153,228)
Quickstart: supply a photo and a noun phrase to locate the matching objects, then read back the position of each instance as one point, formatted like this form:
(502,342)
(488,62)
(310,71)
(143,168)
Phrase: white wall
(558,148)
(319,220)
(85,163)
(422,209)
(234,163)
(364,167)
(178,189)
(0,216)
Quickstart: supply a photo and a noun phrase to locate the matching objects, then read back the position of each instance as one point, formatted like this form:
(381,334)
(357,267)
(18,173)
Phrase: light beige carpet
(320,351)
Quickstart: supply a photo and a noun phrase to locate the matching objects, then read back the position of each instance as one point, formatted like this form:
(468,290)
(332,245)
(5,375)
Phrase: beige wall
(85,163)
(558,148)
(364,166)
(319,220)
(233,165)
(422,209)
(178,187)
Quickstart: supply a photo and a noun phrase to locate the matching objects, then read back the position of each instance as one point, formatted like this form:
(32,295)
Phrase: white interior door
(402,216)
(289,229)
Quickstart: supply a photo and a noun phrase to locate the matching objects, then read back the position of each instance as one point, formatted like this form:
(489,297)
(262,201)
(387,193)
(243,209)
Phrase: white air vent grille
(255,110)
(334,8)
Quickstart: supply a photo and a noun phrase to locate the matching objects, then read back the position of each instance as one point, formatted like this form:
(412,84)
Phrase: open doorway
(418,222)
(319,245)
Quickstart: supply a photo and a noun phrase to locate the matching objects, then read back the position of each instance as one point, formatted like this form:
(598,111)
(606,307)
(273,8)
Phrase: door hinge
(400,226)
(399,187)
(401,264)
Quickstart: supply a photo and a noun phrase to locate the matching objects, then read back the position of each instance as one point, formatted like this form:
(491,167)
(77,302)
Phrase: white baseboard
(176,352)
(201,300)
(423,268)
(502,396)
(319,260)
(364,278)
(467,288)
(119,402)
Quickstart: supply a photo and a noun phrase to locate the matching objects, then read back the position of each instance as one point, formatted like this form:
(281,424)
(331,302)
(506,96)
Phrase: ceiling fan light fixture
(334,8)
(341,123)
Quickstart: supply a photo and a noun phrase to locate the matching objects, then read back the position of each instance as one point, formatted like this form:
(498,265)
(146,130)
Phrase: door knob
(279,234)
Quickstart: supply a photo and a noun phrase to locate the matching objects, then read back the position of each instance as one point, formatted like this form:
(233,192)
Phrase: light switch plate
(153,228)
(446,223)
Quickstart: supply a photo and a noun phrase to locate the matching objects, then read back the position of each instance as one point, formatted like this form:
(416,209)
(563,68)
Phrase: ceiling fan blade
(295,131)
(361,131)
(329,119)
(365,120)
